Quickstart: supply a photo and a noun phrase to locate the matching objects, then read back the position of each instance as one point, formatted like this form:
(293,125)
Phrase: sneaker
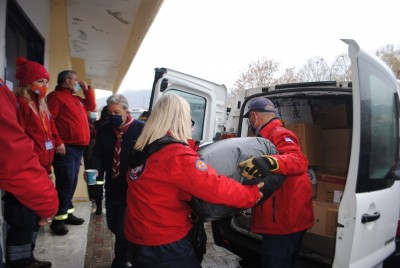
(58,227)
(99,210)
(39,264)
(73,220)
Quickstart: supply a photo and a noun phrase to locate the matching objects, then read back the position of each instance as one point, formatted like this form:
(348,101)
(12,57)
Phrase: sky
(217,39)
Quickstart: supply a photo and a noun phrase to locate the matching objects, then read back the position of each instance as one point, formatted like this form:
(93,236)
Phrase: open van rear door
(369,208)
(207,100)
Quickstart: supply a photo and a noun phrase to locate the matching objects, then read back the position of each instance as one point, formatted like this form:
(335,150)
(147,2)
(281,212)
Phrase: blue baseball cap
(260,104)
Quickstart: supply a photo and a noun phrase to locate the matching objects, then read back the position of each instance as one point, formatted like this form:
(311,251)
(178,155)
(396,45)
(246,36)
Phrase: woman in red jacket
(167,173)
(34,118)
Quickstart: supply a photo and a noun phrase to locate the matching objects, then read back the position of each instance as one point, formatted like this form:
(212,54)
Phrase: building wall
(38,12)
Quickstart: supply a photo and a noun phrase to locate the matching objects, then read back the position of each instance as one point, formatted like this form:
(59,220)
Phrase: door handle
(368,218)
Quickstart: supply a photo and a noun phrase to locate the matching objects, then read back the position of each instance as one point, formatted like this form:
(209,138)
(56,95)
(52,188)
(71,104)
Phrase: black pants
(178,254)
(281,251)
(96,193)
(115,214)
(22,230)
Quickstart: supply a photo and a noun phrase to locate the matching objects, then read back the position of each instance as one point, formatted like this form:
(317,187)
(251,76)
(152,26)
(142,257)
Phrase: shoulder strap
(138,158)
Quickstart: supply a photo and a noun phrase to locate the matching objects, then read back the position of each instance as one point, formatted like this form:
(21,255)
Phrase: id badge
(48,145)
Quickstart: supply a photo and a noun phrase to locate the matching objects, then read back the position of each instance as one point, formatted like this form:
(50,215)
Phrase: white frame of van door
(364,244)
(214,94)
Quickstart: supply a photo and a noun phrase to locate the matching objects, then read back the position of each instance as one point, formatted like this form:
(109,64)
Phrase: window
(379,128)
(22,39)
(197,110)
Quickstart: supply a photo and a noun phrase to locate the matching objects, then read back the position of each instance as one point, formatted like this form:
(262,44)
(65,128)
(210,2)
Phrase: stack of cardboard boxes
(326,140)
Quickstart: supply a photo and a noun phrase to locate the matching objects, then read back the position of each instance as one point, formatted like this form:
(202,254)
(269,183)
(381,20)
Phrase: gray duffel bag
(224,156)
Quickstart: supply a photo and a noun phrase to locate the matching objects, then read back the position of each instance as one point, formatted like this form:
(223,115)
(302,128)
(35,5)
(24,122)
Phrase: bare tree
(340,69)
(391,57)
(317,69)
(289,76)
(259,73)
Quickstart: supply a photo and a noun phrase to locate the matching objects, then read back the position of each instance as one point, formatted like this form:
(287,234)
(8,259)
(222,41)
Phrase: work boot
(39,264)
(99,210)
(73,220)
(58,227)
(34,264)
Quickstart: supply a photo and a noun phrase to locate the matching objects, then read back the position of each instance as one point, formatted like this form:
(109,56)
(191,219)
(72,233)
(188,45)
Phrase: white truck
(346,129)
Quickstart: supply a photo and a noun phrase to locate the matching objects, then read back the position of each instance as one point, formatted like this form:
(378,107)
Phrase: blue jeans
(115,214)
(281,251)
(178,254)
(66,169)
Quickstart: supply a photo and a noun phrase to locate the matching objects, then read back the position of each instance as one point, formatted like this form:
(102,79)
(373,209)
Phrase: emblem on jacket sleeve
(134,173)
(200,165)
(287,139)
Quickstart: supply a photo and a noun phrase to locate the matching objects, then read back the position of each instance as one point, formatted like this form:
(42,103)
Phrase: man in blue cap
(283,218)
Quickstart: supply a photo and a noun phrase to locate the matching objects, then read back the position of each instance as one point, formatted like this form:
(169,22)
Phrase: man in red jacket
(20,171)
(71,134)
(285,216)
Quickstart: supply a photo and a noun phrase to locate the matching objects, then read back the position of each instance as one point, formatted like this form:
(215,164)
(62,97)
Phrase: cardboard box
(330,117)
(328,184)
(336,145)
(309,136)
(294,111)
(325,218)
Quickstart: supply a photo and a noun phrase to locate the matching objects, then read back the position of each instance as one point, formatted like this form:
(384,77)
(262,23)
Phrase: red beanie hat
(29,71)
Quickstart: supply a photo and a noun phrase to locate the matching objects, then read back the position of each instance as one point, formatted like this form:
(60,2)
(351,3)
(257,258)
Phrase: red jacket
(157,201)
(69,124)
(289,209)
(20,171)
(37,127)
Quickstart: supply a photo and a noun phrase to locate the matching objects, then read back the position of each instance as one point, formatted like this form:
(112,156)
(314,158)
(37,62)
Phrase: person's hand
(83,85)
(51,177)
(260,185)
(44,221)
(60,149)
(256,167)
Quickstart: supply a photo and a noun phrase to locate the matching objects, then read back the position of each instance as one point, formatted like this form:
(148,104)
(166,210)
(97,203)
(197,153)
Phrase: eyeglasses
(192,123)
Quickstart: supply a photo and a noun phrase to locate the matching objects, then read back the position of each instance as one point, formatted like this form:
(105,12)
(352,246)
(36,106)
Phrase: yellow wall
(59,60)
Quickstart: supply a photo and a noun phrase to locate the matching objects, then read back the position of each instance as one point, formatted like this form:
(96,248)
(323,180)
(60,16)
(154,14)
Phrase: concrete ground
(67,251)
(91,245)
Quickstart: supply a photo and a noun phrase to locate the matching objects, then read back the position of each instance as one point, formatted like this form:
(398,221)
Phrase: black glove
(261,166)
(271,183)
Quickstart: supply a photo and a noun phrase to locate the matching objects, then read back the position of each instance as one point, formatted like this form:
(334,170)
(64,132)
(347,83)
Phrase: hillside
(136,99)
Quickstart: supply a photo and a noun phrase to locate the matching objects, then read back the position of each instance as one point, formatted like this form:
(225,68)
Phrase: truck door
(207,100)
(369,208)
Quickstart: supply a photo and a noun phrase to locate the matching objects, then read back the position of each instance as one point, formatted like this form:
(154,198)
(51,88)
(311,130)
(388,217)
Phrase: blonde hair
(170,114)
(23,92)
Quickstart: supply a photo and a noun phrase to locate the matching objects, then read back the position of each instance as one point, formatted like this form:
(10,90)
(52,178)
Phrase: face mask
(41,91)
(93,115)
(115,120)
(77,87)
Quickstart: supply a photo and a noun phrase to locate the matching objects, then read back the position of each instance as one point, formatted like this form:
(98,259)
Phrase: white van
(364,228)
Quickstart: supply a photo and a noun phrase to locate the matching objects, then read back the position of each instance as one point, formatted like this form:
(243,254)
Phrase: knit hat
(29,71)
